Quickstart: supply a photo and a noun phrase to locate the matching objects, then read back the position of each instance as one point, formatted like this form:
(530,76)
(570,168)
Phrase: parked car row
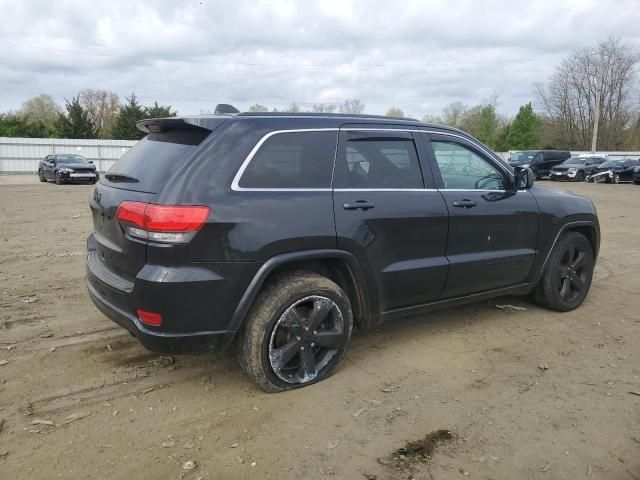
(560,165)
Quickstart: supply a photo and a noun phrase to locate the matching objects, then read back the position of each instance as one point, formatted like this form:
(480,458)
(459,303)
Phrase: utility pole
(599,82)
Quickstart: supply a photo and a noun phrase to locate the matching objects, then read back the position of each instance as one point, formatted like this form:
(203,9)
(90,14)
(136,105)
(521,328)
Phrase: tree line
(598,82)
(90,114)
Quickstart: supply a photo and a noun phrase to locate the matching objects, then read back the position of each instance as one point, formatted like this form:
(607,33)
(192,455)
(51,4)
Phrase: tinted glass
(71,159)
(575,161)
(153,158)
(292,160)
(383,164)
(461,168)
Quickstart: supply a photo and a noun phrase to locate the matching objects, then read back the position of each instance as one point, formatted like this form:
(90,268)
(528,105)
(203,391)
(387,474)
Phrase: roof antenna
(225,109)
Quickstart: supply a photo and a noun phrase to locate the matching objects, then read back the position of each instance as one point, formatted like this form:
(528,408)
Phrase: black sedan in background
(615,171)
(636,175)
(67,168)
(576,168)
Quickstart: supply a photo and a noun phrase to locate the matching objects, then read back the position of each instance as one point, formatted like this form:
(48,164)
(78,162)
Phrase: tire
(41,176)
(616,178)
(58,179)
(580,176)
(280,319)
(568,273)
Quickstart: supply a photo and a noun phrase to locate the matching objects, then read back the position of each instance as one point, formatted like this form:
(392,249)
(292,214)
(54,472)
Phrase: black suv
(67,168)
(540,161)
(287,231)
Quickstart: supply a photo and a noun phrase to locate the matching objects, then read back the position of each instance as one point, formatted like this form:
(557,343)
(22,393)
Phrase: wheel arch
(338,265)
(587,228)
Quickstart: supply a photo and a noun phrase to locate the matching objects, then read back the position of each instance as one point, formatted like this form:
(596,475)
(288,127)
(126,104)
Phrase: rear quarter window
(292,160)
(148,165)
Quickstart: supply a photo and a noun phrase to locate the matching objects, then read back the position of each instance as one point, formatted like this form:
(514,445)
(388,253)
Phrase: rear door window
(148,165)
(292,160)
(382,163)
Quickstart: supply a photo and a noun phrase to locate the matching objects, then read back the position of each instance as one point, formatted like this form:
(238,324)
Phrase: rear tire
(568,274)
(297,332)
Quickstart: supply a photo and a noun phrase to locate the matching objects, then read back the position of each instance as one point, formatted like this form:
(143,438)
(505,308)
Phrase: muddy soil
(525,393)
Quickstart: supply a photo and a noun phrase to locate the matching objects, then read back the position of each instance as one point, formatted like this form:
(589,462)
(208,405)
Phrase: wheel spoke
(321,308)
(564,291)
(281,356)
(307,369)
(329,339)
(579,261)
(578,284)
(292,321)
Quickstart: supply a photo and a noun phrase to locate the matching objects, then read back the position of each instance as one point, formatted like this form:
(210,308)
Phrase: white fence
(21,155)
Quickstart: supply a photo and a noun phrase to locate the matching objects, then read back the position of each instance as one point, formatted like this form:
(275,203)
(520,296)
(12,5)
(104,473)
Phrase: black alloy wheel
(307,336)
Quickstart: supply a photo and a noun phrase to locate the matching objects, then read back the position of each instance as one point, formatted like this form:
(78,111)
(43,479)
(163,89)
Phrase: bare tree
(453,114)
(395,112)
(323,108)
(292,108)
(592,82)
(352,105)
(256,107)
(102,107)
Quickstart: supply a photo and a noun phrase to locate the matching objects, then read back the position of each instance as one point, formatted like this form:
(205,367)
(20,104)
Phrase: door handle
(466,203)
(358,204)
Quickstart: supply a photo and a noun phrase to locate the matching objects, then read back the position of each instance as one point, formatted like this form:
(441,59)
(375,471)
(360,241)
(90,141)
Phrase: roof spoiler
(225,109)
(156,125)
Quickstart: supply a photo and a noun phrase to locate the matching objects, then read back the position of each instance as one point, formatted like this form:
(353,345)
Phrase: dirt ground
(525,394)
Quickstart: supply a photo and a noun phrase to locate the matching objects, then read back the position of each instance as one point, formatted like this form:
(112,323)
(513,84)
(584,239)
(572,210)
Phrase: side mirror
(524,177)
(90,161)
(53,161)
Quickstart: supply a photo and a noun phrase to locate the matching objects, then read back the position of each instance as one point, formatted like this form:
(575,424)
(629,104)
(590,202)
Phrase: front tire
(568,274)
(616,178)
(580,176)
(58,178)
(41,176)
(297,332)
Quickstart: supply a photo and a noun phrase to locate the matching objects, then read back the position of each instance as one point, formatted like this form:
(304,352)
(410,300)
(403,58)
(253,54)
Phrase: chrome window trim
(236,179)
(235,184)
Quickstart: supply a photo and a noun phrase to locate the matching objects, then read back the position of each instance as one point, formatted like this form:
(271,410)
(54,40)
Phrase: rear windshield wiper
(121,177)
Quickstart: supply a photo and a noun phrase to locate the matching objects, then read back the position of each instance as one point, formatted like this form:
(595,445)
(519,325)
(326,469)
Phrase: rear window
(147,166)
(292,160)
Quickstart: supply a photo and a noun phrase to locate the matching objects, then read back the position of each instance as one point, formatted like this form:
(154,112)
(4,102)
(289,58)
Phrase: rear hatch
(139,176)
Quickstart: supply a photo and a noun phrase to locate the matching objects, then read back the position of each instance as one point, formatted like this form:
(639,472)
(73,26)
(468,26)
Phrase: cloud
(193,54)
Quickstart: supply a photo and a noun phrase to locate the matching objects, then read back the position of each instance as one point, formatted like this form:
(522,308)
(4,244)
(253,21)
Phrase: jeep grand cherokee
(287,231)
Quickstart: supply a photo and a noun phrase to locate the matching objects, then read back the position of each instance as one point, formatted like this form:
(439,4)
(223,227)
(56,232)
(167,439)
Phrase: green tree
(395,112)
(76,123)
(125,125)
(525,129)
(352,105)
(159,111)
(256,107)
(293,108)
(12,125)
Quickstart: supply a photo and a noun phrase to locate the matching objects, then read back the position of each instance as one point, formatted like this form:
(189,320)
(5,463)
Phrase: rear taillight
(162,223)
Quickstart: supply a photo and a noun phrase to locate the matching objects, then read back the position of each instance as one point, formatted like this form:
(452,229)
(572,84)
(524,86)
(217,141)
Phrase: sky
(192,54)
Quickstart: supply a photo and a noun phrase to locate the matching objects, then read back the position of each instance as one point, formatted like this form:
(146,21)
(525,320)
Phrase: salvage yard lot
(526,394)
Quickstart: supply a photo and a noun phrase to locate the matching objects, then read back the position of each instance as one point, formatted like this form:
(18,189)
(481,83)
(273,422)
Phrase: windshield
(612,164)
(71,159)
(575,161)
(522,157)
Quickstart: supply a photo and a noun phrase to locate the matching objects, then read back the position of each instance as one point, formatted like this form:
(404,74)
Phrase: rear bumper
(196,301)
(160,342)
